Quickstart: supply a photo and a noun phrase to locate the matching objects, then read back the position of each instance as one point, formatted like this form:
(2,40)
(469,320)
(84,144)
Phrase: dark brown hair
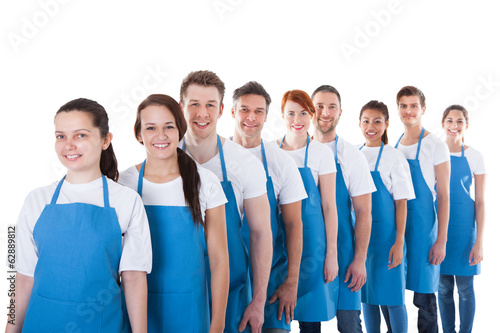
(327,88)
(108,163)
(252,88)
(411,91)
(300,97)
(204,79)
(458,108)
(379,106)
(191,182)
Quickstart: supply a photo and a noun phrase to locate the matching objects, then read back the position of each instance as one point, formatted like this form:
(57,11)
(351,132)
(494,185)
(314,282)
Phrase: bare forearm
(20,299)
(219,268)
(480,218)
(362,230)
(294,249)
(261,252)
(400,220)
(443,203)
(136,297)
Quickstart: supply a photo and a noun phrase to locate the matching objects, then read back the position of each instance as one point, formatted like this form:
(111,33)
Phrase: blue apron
(76,278)
(421,232)
(348,300)
(316,300)
(240,286)
(177,288)
(279,268)
(383,286)
(462,225)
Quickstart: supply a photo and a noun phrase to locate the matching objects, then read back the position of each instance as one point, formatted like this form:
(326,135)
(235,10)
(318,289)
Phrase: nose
(163,134)
(325,112)
(69,144)
(203,112)
(251,116)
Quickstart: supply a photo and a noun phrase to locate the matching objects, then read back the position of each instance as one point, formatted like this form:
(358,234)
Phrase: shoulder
(319,148)
(394,153)
(349,152)
(121,194)
(129,177)
(207,176)
(41,195)
(234,150)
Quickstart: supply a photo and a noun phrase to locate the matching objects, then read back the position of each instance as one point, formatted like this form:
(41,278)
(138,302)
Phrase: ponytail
(191,184)
(109,164)
(379,106)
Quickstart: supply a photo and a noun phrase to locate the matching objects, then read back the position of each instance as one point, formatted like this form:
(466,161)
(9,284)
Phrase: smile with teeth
(298,127)
(248,125)
(201,124)
(161,145)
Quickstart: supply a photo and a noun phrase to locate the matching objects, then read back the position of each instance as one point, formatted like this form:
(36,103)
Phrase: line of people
(213,234)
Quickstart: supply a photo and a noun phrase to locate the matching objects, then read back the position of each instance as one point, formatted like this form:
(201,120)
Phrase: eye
(170,127)
(194,104)
(210,105)
(81,135)
(303,113)
(333,107)
(150,128)
(59,136)
(319,106)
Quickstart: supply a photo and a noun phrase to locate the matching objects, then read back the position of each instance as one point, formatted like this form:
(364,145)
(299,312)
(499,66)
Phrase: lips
(202,125)
(161,145)
(72,157)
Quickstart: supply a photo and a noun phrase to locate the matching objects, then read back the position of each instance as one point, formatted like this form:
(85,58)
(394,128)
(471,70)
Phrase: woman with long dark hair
(78,236)
(185,208)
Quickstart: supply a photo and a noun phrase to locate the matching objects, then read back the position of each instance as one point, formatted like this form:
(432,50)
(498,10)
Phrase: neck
(161,170)
(83,177)
(377,143)
(247,142)
(202,150)
(454,144)
(412,134)
(292,142)
(325,137)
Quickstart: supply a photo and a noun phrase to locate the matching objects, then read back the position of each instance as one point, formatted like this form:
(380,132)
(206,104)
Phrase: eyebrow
(247,106)
(78,130)
(167,122)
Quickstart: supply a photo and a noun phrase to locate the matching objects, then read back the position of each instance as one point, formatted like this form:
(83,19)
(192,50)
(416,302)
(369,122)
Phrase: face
(410,110)
(373,126)
(202,107)
(250,114)
(78,142)
(159,132)
(455,124)
(328,111)
(297,119)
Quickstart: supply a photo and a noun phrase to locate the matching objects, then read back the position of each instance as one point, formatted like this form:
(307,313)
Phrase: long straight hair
(191,182)
(108,163)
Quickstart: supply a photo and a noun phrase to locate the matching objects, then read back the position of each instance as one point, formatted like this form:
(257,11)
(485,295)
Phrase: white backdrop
(118,52)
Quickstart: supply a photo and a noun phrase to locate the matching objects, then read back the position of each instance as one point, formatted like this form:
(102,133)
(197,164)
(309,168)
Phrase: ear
(221,109)
(423,109)
(233,113)
(107,141)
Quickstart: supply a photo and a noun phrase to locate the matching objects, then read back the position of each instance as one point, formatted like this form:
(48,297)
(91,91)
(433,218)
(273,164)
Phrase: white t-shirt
(393,169)
(136,243)
(319,159)
(433,152)
(355,170)
(244,171)
(475,160)
(172,193)
(287,183)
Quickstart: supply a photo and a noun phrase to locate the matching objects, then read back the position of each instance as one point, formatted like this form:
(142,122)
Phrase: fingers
(274,298)
(243,323)
(280,310)
(347,275)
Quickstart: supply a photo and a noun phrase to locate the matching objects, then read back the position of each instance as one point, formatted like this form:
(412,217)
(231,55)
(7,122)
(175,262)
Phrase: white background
(118,52)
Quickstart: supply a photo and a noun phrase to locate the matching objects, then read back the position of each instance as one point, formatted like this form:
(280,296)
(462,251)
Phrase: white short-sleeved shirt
(287,183)
(172,193)
(355,170)
(433,151)
(393,169)
(244,171)
(475,160)
(319,159)
(136,244)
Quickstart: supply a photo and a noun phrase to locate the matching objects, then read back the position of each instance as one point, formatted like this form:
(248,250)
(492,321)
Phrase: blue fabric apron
(240,286)
(421,232)
(383,286)
(348,300)
(76,284)
(279,265)
(462,226)
(316,300)
(177,288)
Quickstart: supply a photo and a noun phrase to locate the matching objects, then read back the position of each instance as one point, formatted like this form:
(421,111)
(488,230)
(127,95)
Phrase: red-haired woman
(317,294)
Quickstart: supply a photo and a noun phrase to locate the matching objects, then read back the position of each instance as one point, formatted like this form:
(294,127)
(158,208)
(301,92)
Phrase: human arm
(21,297)
(362,205)
(287,292)
(218,257)
(396,252)
(476,254)
(329,207)
(136,297)
(261,252)
(438,249)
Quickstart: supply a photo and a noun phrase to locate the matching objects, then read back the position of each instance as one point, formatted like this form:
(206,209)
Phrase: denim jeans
(395,316)
(466,302)
(427,312)
(349,321)
(309,327)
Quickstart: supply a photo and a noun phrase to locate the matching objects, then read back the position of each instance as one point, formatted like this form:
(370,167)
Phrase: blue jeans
(427,312)
(466,302)
(349,321)
(309,327)
(395,316)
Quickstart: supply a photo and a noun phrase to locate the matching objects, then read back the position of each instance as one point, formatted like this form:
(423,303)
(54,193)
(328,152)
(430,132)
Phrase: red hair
(300,97)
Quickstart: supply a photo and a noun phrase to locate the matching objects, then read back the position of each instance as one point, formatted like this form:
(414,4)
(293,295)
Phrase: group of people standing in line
(212,234)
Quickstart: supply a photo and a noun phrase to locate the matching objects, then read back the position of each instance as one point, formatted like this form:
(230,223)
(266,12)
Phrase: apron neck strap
(222,161)
(264,159)
(378,158)
(141,178)
(307,151)
(419,142)
(335,150)
(463,150)
(105,192)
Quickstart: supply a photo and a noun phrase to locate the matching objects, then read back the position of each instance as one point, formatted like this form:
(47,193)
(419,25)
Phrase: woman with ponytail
(76,237)
(385,263)
(185,208)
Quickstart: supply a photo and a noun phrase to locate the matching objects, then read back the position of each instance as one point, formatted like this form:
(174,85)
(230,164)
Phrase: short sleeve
(26,250)
(255,177)
(402,185)
(212,190)
(360,178)
(327,161)
(441,153)
(136,251)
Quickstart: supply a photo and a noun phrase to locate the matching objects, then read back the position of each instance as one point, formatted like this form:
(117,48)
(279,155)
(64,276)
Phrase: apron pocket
(50,315)
(172,312)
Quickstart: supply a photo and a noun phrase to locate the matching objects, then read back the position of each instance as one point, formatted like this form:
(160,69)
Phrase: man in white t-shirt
(429,161)
(244,181)
(354,187)
(250,109)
